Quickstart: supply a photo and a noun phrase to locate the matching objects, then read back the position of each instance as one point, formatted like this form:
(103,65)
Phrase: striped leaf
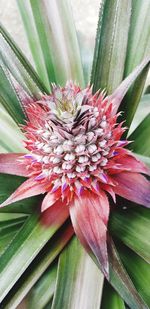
(79,283)
(11,137)
(28,242)
(138,48)
(111,44)
(36,268)
(18,64)
(138,269)
(55,39)
(131,226)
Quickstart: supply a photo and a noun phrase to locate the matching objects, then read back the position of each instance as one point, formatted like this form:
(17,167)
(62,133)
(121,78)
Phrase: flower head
(76,156)
(73,141)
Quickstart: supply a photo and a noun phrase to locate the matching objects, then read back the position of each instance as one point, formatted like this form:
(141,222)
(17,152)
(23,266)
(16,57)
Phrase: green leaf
(111,298)
(49,304)
(8,185)
(144,159)
(9,98)
(11,137)
(121,281)
(138,48)
(19,65)
(34,42)
(141,112)
(55,34)
(5,241)
(7,225)
(26,245)
(131,226)
(139,271)
(138,39)
(79,282)
(42,30)
(43,290)
(111,44)
(141,138)
(8,229)
(147,90)
(26,283)
(132,98)
(10,216)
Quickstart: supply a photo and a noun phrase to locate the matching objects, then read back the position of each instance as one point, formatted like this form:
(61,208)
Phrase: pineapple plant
(74,221)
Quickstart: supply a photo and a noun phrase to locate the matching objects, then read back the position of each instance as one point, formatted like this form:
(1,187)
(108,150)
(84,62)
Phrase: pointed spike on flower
(9,164)
(122,89)
(133,164)
(27,189)
(50,199)
(57,213)
(134,187)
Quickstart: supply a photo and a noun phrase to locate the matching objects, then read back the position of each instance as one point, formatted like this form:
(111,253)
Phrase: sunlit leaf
(141,138)
(111,44)
(11,137)
(144,159)
(141,112)
(138,35)
(18,63)
(34,42)
(138,48)
(53,23)
(74,267)
(26,245)
(34,272)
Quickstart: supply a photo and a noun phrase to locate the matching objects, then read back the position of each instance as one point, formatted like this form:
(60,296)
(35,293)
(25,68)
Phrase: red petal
(27,189)
(59,212)
(50,199)
(10,165)
(89,215)
(122,89)
(133,187)
(128,163)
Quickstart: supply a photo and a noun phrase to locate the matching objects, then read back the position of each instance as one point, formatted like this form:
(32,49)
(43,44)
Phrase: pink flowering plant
(76,158)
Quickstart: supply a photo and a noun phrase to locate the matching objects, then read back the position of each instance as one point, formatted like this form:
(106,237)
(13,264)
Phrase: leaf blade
(57,40)
(26,284)
(26,66)
(131,226)
(26,245)
(111,45)
(138,48)
(75,267)
(141,138)
(111,298)
(138,269)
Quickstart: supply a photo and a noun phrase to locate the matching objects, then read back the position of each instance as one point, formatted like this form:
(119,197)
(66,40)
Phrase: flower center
(74,155)
(68,107)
